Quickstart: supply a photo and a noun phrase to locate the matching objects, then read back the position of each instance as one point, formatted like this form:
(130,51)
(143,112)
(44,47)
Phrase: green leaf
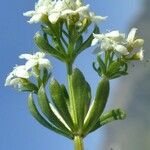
(98,105)
(97,69)
(65,96)
(48,112)
(81,94)
(47,48)
(46,76)
(79,42)
(116,114)
(35,113)
(101,65)
(88,42)
(46,30)
(60,102)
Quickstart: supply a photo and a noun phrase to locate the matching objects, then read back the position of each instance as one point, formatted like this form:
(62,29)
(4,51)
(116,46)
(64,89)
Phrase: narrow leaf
(60,103)
(35,113)
(46,47)
(88,42)
(47,111)
(101,65)
(116,114)
(81,94)
(98,105)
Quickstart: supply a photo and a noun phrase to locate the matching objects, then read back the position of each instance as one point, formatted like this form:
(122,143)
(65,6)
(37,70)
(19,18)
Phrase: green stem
(71,95)
(78,143)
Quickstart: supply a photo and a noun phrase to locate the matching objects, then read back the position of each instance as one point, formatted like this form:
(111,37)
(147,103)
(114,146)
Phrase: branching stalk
(78,143)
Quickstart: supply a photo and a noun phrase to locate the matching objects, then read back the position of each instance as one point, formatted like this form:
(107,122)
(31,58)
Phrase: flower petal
(31,63)
(29,13)
(95,41)
(26,56)
(36,18)
(53,17)
(131,35)
(44,62)
(121,49)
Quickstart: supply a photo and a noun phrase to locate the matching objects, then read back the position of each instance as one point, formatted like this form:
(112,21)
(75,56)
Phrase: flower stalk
(78,143)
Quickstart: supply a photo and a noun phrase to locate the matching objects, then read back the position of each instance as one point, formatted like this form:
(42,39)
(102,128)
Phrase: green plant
(71,111)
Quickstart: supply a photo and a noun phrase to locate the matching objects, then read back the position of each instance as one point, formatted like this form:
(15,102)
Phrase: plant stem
(78,143)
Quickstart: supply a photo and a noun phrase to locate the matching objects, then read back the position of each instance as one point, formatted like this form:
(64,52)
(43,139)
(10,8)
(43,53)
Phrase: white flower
(121,49)
(139,55)
(41,9)
(56,9)
(113,36)
(63,8)
(14,78)
(96,19)
(35,59)
(132,41)
(131,35)
(109,41)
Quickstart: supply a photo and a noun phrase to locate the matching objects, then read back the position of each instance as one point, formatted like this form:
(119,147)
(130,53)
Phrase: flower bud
(138,43)
(139,55)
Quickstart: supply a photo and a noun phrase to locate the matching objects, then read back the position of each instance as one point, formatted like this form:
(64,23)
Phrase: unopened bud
(138,43)
(139,55)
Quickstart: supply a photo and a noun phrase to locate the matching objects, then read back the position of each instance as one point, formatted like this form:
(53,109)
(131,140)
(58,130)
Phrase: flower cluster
(60,9)
(20,74)
(130,47)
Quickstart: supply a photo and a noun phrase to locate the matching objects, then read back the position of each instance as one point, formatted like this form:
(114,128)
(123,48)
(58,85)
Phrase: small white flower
(56,9)
(63,8)
(35,59)
(139,55)
(132,41)
(109,41)
(138,43)
(131,35)
(14,78)
(121,49)
(96,19)
(113,35)
(107,44)
(41,9)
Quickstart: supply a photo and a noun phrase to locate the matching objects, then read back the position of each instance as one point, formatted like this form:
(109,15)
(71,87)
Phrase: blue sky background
(18,130)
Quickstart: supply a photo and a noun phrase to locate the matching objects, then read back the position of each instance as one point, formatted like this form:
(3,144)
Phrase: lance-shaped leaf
(48,112)
(35,113)
(46,76)
(98,105)
(88,42)
(46,30)
(116,114)
(66,96)
(60,102)
(47,48)
(79,42)
(82,96)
